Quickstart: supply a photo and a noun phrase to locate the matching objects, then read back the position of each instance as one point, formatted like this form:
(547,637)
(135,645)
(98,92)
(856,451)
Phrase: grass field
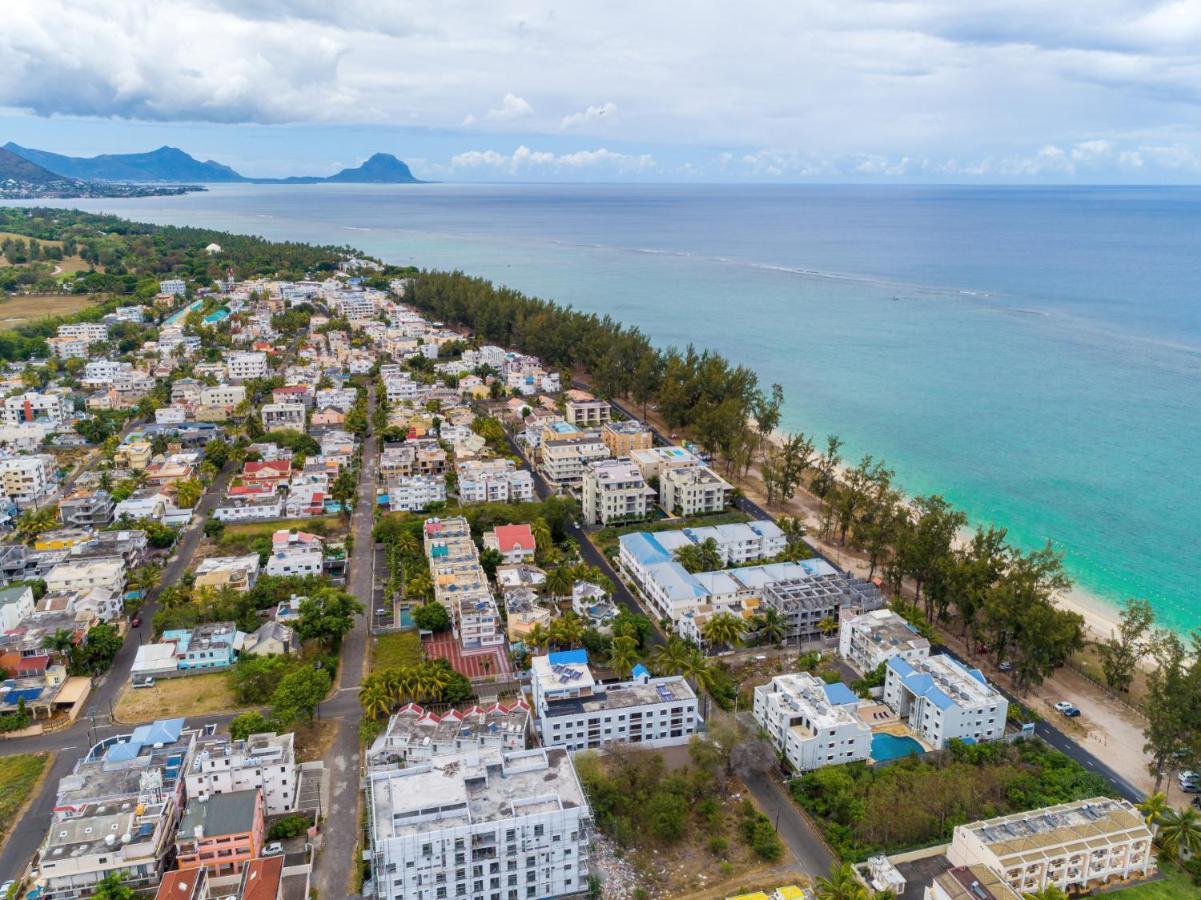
(190,695)
(5,235)
(19,774)
(18,310)
(397,650)
(1174,885)
(239,537)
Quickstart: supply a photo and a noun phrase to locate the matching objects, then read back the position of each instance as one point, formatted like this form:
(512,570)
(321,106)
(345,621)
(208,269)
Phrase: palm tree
(559,581)
(1180,831)
(568,630)
(1049,892)
(429,682)
(827,626)
(61,642)
(400,685)
(542,535)
(698,669)
(1153,808)
(538,637)
(419,586)
(375,699)
(670,657)
(623,655)
(723,630)
(406,544)
(841,885)
(771,627)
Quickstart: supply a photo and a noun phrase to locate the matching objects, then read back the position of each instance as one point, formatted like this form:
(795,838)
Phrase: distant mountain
(17,168)
(169,164)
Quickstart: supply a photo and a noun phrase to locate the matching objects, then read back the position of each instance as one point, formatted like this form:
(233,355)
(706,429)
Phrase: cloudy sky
(811,90)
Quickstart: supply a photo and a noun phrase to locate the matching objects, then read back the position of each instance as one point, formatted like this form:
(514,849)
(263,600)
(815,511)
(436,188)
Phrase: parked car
(146,682)
(1005,666)
(275,848)
(1067,709)
(1190,782)
(135,622)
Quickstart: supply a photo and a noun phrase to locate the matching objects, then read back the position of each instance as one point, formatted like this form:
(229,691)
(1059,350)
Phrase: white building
(587,412)
(23,438)
(298,559)
(576,712)
(88,332)
(494,481)
(614,492)
(264,761)
(870,639)
(52,409)
(170,415)
(223,395)
(811,723)
(27,480)
(564,459)
(942,699)
(80,575)
(738,544)
(249,509)
(174,286)
(486,824)
(243,366)
(414,733)
(1077,846)
(283,415)
(693,491)
(653,462)
(415,492)
(16,603)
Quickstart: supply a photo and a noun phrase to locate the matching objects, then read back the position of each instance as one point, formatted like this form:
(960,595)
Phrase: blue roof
(640,671)
(939,699)
(644,547)
(579,657)
(162,731)
(123,752)
(978,675)
(839,694)
(900,666)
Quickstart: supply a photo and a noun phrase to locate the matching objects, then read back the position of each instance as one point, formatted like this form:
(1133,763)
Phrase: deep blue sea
(1034,354)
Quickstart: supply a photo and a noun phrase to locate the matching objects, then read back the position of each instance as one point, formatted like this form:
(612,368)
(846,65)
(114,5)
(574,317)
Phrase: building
(461,585)
(416,734)
(221,833)
(243,366)
(693,491)
(265,762)
(969,883)
(25,437)
(1077,847)
(237,572)
(67,347)
(173,286)
(184,884)
(807,603)
(737,544)
(226,396)
(810,723)
(942,700)
(623,438)
(49,409)
(577,712)
(414,493)
(587,412)
(868,640)
(182,651)
(564,459)
(613,493)
(296,559)
(396,461)
(27,480)
(486,824)
(494,481)
(593,604)
(514,542)
(86,509)
(654,461)
(272,638)
(249,508)
(83,574)
(283,415)
(16,603)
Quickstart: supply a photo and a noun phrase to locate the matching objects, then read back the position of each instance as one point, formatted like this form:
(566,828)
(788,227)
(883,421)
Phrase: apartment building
(221,833)
(283,415)
(299,560)
(223,395)
(624,437)
(50,409)
(416,734)
(396,461)
(577,712)
(693,491)
(494,481)
(941,699)
(587,412)
(245,365)
(89,332)
(461,585)
(969,883)
(265,762)
(738,544)
(564,459)
(654,461)
(487,824)
(237,572)
(173,286)
(869,640)
(613,492)
(806,603)
(27,437)
(84,574)
(414,493)
(27,480)
(250,508)
(1078,847)
(810,723)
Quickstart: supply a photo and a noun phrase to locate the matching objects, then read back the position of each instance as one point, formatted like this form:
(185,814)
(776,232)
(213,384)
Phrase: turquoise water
(890,746)
(1032,354)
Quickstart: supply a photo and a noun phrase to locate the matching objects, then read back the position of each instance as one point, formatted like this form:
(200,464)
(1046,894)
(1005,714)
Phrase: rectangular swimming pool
(891,746)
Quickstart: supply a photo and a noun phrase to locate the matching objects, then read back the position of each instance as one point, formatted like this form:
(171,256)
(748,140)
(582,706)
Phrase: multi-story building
(396,461)
(221,833)
(737,544)
(301,560)
(27,480)
(461,585)
(249,508)
(237,572)
(283,415)
(264,762)
(613,492)
(806,603)
(564,459)
(811,723)
(26,437)
(1077,846)
(89,332)
(51,409)
(624,437)
(224,395)
(67,347)
(513,542)
(577,712)
(244,365)
(868,640)
(415,492)
(415,734)
(494,481)
(969,883)
(84,574)
(487,824)
(587,412)
(654,461)
(941,699)
(173,286)
(693,491)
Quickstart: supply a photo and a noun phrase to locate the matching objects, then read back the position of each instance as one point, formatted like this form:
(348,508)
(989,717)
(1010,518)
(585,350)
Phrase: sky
(977,91)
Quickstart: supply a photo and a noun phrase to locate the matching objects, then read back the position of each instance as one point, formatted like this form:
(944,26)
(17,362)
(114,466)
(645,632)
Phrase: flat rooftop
(658,691)
(1088,824)
(807,695)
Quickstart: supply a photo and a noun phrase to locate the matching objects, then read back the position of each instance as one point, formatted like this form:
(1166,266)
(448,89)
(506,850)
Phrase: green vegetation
(1174,884)
(288,827)
(432,681)
(18,775)
(399,650)
(918,801)
(606,539)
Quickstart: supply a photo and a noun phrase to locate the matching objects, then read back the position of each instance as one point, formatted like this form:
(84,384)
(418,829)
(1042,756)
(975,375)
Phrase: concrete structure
(587,412)
(613,492)
(577,712)
(243,366)
(86,509)
(27,480)
(693,491)
(564,459)
(969,883)
(487,824)
(221,833)
(302,560)
(50,409)
(810,723)
(25,437)
(415,734)
(513,542)
(173,286)
(249,508)
(868,640)
(237,572)
(283,415)
(654,461)
(623,438)
(1078,847)
(942,700)
(494,481)
(265,762)
(460,583)
(83,574)
(16,603)
(413,493)
(737,544)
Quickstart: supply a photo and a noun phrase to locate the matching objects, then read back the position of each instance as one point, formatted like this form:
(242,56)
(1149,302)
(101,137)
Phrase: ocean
(1033,354)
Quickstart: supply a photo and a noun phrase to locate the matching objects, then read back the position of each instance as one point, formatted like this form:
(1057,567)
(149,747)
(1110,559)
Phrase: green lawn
(606,538)
(18,776)
(321,525)
(1174,885)
(394,651)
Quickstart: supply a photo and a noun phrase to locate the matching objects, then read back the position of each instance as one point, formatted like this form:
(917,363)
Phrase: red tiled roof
(274,468)
(261,878)
(514,537)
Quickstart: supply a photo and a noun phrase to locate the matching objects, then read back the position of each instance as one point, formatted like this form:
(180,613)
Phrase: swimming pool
(891,746)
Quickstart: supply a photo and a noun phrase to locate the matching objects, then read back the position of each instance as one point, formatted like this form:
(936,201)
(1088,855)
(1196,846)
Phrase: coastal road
(72,744)
(336,859)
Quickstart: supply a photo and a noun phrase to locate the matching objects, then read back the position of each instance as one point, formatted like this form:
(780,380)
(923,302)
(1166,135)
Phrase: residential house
(513,542)
(810,723)
(221,833)
(265,762)
(614,492)
(237,572)
(624,437)
(80,575)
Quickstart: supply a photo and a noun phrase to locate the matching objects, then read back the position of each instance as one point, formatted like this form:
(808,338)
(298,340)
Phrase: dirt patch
(313,739)
(18,310)
(188,695)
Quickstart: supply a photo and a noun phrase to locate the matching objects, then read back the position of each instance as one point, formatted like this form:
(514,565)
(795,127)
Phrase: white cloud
(590,116)
(523,159)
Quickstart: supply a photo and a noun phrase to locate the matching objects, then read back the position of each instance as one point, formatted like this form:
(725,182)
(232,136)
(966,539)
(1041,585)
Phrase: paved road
(340,832)
(73,743)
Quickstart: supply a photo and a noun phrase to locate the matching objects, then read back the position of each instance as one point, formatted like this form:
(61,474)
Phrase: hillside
(23,171)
